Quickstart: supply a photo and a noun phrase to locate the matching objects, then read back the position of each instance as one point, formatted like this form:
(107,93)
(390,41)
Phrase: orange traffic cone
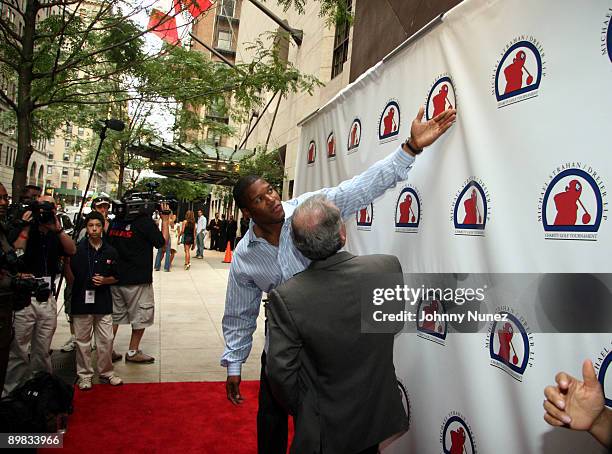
(228,254)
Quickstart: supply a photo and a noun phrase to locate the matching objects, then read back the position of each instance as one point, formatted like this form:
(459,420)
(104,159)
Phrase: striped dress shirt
(259,267)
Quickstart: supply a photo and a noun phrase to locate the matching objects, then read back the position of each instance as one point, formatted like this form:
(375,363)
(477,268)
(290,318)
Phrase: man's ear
(343,234)
(245,212)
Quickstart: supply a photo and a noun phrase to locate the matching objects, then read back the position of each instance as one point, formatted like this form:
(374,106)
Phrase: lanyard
(91,259)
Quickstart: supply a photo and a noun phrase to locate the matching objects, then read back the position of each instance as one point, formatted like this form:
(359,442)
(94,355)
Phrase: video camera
(24,287)
(135,204)
(42,213)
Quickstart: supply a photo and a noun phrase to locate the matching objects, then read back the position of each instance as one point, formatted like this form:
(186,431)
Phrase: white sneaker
(113,380)
(69,346)
(85,384)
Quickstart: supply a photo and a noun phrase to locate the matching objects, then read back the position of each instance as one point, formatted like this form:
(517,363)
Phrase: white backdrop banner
(518,185)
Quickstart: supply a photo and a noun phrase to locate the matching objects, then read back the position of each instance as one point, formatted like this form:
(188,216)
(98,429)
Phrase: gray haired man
(337,382)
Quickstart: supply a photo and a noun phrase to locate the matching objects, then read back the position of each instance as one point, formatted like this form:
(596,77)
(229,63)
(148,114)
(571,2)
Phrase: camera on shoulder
(42,213)
(136,204)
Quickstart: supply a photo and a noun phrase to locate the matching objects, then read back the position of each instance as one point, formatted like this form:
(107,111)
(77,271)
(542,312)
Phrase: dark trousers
(6,336)
(370,450)
(272,419)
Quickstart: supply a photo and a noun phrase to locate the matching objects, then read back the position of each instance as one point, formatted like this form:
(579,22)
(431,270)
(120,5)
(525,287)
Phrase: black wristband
(414,150)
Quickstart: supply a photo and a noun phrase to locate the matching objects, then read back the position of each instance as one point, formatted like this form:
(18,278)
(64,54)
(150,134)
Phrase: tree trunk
(122,166)
(24,101)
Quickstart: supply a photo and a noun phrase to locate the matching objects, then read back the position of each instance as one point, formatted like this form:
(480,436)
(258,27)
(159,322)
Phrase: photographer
(43,242)
(134,239)
(6,294)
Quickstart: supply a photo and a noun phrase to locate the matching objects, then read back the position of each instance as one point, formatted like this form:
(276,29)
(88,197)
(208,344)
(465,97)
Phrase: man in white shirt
(200,234)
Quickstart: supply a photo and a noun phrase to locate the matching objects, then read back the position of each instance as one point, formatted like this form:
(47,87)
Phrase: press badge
(90,296)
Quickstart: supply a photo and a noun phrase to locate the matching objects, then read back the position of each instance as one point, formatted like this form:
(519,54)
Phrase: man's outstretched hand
(424,133)
(232,387)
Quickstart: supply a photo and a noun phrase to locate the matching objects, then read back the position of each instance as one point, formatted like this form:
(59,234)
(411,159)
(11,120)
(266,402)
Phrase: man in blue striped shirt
(267,257)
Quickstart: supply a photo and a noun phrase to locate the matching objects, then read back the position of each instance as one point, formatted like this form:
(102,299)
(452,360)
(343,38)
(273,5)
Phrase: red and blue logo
(456,435)
(354,136)
(365,217)
(389,122)
(331,145)
(573,205)
(441,97)
(604,374)
(510,344)
(519,72)
(430,321)
(408,210)
(311,155)
(471,208)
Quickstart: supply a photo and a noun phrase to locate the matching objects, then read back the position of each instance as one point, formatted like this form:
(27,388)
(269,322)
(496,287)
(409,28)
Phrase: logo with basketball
(456,435)
(408,210)
(364,217)
(606,38)
(331,145)
(572,203)
(510,343)
(354,137)
(430,321)
(389,123)
(441,97)
(519,71)
(603,370)
(312,153)
(405,399)
(471,208)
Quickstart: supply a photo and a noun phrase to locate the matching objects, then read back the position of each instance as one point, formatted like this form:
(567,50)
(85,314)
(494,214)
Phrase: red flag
(197,7)
(162,22)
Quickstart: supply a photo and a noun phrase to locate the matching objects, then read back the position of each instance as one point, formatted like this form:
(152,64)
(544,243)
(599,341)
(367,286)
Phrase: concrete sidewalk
(186,339)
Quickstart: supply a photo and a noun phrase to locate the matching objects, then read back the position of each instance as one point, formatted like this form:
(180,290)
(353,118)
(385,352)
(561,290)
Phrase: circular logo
(354,136)
(428,319)
(457,437)
(389,123)
(509,343)
(606,384)
(572,203)
(312,152)
(331,145)
(441,97)
(365,216)
(519,71)
(408,209)
(471,208)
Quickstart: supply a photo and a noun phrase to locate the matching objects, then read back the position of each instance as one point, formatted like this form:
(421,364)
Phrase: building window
(341,43)
(68,129)
(49,170)
(224,40)
(52,141)
(77,158)
(64,171)
(227,8)
(77,172)
(66,157)
(67,143)
(75,186)
(81,131)
(50,156)
(64,185)
(48,184)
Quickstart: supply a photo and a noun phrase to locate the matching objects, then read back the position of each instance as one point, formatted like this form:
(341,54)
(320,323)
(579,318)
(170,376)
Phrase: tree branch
(8,100)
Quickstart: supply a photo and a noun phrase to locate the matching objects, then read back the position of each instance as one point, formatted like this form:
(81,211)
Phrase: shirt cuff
(234,369)
(404,158)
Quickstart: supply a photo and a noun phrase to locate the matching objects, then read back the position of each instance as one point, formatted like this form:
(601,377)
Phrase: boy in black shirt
(95,269)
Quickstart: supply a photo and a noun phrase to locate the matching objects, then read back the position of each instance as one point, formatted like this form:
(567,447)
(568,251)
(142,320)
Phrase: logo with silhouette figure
(354,136)
(441,97)
(456,435)
(603,369)
(389,123)
(471,208)
(510,343)
(430,323)
(364,217)
(408,210)
(606,38)
(519,72)
(331,145)
(311,155)
(572,203)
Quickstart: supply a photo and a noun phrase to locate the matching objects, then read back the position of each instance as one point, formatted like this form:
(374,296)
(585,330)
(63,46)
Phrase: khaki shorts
(133,304)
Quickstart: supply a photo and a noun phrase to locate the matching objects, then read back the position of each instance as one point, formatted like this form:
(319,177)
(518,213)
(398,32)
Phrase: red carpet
(162,418)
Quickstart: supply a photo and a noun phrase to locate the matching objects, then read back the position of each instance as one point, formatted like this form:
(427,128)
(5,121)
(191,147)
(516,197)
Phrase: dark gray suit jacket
(339,384)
